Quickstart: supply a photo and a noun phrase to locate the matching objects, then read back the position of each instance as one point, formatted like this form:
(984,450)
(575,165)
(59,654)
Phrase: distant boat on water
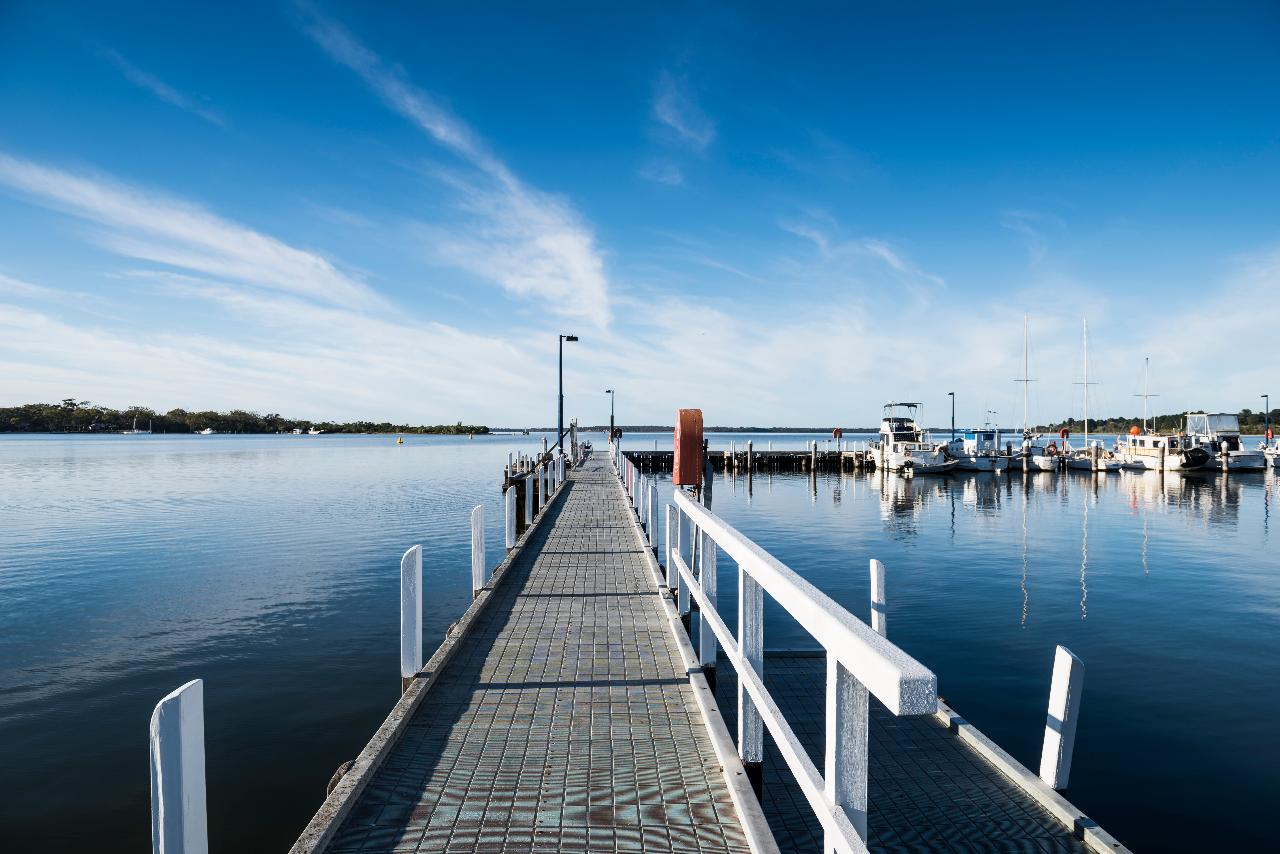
(208,431)
(135,431)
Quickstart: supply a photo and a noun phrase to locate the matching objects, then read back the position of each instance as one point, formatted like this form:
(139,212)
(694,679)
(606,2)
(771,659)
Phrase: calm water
(269,567)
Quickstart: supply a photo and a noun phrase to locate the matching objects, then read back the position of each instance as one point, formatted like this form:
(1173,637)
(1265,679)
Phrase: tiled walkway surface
(565,721)
(927,790)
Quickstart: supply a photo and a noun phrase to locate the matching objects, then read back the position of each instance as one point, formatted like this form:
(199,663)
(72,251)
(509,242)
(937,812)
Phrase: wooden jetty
(580,704)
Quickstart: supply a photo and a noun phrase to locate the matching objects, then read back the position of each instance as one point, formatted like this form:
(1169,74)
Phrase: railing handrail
(902,684)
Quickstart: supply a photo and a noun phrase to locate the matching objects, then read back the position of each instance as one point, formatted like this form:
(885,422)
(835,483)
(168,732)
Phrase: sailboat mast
(1146,379)
(1086,384)
(1026,368)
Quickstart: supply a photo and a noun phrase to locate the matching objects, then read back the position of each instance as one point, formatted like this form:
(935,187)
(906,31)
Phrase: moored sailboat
(1092,457)
(1036,455)
(1150,451)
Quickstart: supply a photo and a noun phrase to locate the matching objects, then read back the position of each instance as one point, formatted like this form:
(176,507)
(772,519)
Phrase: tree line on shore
(73,416)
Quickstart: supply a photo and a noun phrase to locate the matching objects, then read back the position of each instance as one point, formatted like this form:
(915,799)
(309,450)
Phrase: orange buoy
(1135,430)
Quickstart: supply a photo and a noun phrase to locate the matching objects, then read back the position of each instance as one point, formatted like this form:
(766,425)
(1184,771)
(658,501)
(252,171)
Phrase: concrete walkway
(565,721)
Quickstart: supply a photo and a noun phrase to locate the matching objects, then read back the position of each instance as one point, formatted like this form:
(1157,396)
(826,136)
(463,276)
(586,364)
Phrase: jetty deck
(567,711)
(565,719)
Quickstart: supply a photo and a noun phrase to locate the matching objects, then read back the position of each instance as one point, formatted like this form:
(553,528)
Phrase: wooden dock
(576,706)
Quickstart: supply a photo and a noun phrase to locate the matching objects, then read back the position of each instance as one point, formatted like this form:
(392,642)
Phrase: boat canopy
(1211,423)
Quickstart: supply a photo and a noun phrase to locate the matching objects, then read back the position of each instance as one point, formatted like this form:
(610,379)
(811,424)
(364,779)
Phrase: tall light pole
(609,392)
(1266,411)
(952,395)
(560,399)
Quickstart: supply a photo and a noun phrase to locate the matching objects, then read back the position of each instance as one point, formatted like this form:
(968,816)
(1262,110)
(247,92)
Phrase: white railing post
(1064,712)
(477,550)
(707,582)
(845,777)
(179,822)
(528,501)
(879,611)
(683,539)
(751,647)
(653,513)
(509,516)
(672,572)
(411,612)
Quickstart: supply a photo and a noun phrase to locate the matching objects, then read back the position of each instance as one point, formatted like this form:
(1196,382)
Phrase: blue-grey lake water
(269,567)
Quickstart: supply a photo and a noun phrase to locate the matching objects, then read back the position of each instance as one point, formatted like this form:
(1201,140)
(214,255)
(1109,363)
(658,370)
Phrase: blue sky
(784,216)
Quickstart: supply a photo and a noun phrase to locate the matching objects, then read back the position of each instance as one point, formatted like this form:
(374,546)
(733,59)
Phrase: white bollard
(1064,712)
(477,549)
(509,516)
(879,612)
(411,612)
(179,821)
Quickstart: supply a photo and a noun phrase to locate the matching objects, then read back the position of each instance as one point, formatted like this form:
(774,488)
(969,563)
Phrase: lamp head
(570,337)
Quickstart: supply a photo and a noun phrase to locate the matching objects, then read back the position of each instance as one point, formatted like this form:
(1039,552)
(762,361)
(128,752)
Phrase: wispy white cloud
(663,172)
(1031,226)
(162,90)
(151,226)
(676,110)
(838,254)
(532,243)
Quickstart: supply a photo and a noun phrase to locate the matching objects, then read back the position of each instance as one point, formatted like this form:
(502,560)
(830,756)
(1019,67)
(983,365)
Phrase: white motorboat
(904,447)
(1219,434)
(978,450)
(1092,457)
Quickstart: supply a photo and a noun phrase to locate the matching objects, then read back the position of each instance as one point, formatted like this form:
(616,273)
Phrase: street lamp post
(1266,412)
(609,392)
(952,395)
(560,407)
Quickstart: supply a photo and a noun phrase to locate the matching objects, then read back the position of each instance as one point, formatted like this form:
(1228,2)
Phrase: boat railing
(859,662)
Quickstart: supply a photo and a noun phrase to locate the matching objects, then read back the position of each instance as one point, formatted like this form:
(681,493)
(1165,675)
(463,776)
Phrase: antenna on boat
(1146,377)
(1026,369)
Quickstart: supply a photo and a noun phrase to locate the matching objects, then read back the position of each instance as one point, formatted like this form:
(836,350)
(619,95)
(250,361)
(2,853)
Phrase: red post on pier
(687,470)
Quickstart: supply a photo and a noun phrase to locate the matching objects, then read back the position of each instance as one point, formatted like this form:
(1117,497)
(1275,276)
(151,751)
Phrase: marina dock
(592,698)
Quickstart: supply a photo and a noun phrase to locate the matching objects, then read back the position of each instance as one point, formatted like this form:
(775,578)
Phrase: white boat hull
(1241,461)
(972,462)
(918,462)
(1087,464)
(1037,462)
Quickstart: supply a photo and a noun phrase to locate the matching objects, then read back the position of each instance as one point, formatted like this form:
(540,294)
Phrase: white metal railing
(859,662)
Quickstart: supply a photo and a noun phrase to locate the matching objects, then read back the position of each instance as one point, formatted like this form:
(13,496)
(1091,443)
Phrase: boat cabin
(1215,429)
